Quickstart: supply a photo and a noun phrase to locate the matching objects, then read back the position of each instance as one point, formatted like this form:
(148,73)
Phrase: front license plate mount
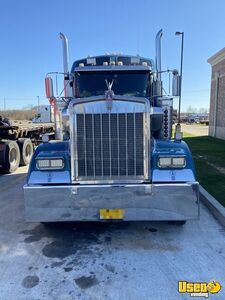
(111,214)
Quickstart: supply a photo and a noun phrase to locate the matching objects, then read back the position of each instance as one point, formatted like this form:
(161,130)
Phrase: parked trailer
(17,143)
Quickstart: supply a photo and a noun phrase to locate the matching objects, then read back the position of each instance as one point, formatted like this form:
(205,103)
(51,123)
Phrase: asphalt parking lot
(143,260)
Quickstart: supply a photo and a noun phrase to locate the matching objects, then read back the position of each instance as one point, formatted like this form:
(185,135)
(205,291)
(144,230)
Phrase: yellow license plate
(111,214)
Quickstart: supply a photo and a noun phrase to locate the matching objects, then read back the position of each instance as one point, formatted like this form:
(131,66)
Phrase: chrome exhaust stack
(158,53)
(67,88)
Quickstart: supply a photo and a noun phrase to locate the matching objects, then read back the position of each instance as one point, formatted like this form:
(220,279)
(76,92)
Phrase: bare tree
(191,110)
(19,114)
(203,110)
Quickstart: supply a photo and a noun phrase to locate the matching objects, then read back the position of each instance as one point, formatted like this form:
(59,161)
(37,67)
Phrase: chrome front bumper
(178,201)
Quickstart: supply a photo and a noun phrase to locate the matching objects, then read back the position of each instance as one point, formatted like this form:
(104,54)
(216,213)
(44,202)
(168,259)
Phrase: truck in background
(114,157)
(17,142)
(45,114)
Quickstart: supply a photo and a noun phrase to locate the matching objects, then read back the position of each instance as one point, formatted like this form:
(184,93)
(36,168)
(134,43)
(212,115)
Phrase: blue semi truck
(114,157)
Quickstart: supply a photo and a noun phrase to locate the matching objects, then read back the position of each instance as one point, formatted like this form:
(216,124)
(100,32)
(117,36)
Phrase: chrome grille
(110,145)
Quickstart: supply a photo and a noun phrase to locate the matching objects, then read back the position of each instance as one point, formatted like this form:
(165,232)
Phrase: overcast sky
(30,46)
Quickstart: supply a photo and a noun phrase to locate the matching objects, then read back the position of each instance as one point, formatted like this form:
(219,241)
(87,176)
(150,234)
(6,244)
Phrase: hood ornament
(109,95)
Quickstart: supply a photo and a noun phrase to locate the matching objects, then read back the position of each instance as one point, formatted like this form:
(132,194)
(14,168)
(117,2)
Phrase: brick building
(217,95)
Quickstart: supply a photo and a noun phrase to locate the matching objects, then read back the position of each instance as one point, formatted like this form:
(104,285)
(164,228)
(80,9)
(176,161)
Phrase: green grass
(208,150)
(186,135)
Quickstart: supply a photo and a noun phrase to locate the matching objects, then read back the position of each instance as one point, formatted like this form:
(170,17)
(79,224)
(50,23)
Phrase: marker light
(45,138)
(91,61)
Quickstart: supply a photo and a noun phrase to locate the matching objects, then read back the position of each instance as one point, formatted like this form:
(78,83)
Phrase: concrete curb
(213,205)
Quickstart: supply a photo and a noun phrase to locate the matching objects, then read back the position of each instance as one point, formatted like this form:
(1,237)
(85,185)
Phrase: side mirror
(49,87)
(176,84)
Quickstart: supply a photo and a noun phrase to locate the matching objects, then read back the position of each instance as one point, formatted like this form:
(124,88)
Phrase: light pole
(178,127)
(38,99)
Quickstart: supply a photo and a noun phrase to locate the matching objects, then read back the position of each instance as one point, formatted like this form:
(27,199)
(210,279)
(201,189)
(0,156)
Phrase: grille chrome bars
(135,161)
(118,143)
(110,147)
(85,145)
(102,158)
(93,142)
(126,157)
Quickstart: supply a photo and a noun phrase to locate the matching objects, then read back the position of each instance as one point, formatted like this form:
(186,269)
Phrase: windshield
(124,83)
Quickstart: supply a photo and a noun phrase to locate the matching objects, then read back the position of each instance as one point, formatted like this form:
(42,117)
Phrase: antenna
(178,133)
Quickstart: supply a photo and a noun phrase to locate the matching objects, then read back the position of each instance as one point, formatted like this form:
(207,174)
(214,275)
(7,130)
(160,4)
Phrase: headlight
(179,162)
(164,162)
(50,164)
(171,162)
